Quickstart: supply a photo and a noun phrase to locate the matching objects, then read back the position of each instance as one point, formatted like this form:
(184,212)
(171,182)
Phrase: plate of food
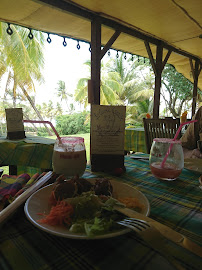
(81,208)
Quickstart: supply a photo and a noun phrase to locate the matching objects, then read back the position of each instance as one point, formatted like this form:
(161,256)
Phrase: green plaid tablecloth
(31,152)
(176,204)
(135,140)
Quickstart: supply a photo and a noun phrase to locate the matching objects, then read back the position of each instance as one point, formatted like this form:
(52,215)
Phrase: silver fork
(152,236)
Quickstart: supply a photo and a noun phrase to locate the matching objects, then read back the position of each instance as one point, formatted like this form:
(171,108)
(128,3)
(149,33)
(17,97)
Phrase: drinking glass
(174,164)
(69,156)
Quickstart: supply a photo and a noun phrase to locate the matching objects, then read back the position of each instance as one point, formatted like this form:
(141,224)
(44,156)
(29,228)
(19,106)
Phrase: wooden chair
(160,128)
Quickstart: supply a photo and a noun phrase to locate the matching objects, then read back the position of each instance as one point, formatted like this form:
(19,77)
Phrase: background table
(176,204)
(25,154)
(135,140)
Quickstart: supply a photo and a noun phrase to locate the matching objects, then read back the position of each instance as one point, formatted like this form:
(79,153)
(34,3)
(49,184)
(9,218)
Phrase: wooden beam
(192,68)
(95,59)
(109,43)
(200,68)
(159,64)
(196,74)
(90,15)
(158,67)
(166,59)
(95,64)
(151,58)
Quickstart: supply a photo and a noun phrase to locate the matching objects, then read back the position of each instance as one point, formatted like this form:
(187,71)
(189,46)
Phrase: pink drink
(168,172)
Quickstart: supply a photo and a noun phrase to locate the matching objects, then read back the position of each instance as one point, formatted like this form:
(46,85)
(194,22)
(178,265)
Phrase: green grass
(86,137)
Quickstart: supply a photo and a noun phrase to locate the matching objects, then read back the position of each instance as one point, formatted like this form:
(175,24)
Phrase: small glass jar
(172,167)
(69,157)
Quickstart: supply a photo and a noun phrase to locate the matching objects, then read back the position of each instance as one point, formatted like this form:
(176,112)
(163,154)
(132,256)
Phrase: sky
(62,63)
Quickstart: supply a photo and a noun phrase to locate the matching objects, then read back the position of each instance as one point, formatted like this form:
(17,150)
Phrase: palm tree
(58,109)
(62,92)
(107,93)
(21,59)
(135,83)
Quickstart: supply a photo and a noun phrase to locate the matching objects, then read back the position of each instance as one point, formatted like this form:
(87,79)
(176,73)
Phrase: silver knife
(164,230)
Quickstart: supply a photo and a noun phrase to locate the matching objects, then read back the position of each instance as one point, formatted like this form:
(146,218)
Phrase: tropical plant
(63,94)
(72,124)
(177,91)
(107,93)
(137,87)
(21,60)
(122,83)
(132,85)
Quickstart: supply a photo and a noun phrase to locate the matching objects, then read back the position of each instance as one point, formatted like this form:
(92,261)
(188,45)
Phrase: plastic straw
(174,139)
(45,122)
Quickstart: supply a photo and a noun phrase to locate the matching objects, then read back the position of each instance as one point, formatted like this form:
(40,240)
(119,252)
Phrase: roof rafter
(85,13)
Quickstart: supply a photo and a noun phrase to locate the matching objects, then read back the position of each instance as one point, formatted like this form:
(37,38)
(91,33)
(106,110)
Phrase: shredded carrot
(131,202)
(59,214)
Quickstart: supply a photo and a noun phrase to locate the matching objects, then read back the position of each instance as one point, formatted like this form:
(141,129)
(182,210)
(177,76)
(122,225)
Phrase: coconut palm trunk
(35,109)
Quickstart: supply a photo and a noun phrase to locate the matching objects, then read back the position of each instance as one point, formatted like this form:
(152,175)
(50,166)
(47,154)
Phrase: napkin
(12,186)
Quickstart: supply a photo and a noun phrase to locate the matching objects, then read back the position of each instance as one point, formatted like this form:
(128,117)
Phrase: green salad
(87,214)
(93,215)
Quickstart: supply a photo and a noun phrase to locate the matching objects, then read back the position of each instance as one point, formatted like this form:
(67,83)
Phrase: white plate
(38,203)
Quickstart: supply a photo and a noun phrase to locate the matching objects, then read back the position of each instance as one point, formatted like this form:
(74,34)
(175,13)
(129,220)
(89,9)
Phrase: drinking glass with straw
(174,139)
(69,153)
(166,156)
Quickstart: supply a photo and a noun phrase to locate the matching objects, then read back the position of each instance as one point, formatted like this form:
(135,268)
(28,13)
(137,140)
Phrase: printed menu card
(107,135)
(14,120)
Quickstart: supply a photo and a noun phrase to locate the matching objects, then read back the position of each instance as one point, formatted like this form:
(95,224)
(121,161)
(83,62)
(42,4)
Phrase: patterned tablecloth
(176,204)
(135,140)
(31,152)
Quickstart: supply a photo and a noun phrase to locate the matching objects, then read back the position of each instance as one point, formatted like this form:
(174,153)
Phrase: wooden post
(158,67)
(95,59)
(195,72)
(159,55)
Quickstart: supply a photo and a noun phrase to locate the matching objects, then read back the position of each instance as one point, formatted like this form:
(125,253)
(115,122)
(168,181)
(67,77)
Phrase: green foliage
(42,132)
(73,124)
(178,91)
(3,128)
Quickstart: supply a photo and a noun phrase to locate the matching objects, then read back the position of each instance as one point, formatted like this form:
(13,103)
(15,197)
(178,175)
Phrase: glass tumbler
(69,157)
(174,163)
